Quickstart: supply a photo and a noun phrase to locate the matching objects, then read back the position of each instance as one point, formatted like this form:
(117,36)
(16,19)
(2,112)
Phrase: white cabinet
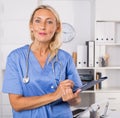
(112,98)
(107,10)
(108,51)
(107,45)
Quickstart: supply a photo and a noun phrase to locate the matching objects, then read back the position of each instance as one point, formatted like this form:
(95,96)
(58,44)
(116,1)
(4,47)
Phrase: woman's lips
(43,33)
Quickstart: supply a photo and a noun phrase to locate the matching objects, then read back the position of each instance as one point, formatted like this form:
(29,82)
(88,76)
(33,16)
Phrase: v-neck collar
(36,62)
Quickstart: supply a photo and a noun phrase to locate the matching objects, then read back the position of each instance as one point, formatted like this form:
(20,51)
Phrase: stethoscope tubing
(26,78)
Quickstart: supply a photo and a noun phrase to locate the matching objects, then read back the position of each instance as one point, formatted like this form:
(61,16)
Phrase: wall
(14,32)
(108,10)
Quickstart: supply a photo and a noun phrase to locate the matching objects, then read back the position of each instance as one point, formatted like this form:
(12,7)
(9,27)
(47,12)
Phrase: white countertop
(110,114)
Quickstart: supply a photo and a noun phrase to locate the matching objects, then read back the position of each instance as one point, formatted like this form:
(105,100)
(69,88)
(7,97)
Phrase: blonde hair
(55,42)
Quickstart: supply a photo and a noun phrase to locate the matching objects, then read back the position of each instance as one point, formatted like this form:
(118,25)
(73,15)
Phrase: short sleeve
(11,82)
(72,74)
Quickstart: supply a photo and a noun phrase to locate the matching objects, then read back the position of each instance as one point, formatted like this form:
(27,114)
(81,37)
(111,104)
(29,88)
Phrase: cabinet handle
(111,98)
(113,109)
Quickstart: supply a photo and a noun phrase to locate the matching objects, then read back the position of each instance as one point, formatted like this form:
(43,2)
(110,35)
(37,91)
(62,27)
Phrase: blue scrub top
(42,81)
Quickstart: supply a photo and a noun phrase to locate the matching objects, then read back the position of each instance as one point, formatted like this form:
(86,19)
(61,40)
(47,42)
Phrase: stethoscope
(26,78)
(56,61)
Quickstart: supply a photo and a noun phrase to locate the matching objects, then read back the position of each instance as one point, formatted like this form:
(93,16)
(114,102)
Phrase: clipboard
(91,83)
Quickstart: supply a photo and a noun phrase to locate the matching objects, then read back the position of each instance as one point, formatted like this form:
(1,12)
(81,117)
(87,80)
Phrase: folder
(109,32)
(81,56)
(97,56)
(105,32)
(100,32)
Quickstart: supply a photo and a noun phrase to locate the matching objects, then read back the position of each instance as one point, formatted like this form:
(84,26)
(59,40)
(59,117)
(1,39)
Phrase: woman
(40,78)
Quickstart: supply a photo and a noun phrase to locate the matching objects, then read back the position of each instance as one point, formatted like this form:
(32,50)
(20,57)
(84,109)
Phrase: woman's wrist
(55,96)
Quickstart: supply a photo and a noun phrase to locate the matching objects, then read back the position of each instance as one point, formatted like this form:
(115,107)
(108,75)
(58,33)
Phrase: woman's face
(44,25)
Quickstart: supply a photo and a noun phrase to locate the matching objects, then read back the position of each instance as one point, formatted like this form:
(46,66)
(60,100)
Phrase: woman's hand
(65,92)
(72,98)
(63,86)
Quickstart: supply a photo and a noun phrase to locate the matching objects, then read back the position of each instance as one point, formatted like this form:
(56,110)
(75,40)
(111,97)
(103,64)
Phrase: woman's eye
(50,22)
(37,21)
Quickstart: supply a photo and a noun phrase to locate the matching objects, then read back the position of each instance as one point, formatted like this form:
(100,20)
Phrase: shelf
(116,21)
(111,68)
(89,91)
(107,44)
(108,90)
(101,68)
(104,90)
(85,68)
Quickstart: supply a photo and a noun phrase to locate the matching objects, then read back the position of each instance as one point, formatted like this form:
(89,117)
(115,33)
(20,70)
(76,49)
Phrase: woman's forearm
(20,103)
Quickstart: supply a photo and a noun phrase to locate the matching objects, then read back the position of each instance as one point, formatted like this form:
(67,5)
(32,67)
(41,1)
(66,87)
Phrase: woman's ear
(58,28)
(31,28)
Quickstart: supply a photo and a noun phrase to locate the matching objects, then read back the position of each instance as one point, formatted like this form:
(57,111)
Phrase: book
(98,76)
(81,56)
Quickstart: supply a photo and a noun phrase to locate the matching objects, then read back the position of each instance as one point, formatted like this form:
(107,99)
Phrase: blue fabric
(42,81)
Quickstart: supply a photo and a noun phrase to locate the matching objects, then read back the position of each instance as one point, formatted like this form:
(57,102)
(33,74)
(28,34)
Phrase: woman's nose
(42,26)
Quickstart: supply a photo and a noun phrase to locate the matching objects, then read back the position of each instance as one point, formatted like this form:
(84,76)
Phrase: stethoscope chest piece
(26,80)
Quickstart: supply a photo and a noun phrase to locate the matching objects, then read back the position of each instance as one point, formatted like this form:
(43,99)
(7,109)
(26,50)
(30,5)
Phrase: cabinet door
(112,98)
(107,10)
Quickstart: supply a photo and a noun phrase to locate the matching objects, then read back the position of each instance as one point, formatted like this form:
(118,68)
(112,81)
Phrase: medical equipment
(93,111)
(56,61)
(105,110)
(26,79)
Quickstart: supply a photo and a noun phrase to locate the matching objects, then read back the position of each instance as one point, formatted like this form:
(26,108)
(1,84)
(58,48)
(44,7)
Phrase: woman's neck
(41,49)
